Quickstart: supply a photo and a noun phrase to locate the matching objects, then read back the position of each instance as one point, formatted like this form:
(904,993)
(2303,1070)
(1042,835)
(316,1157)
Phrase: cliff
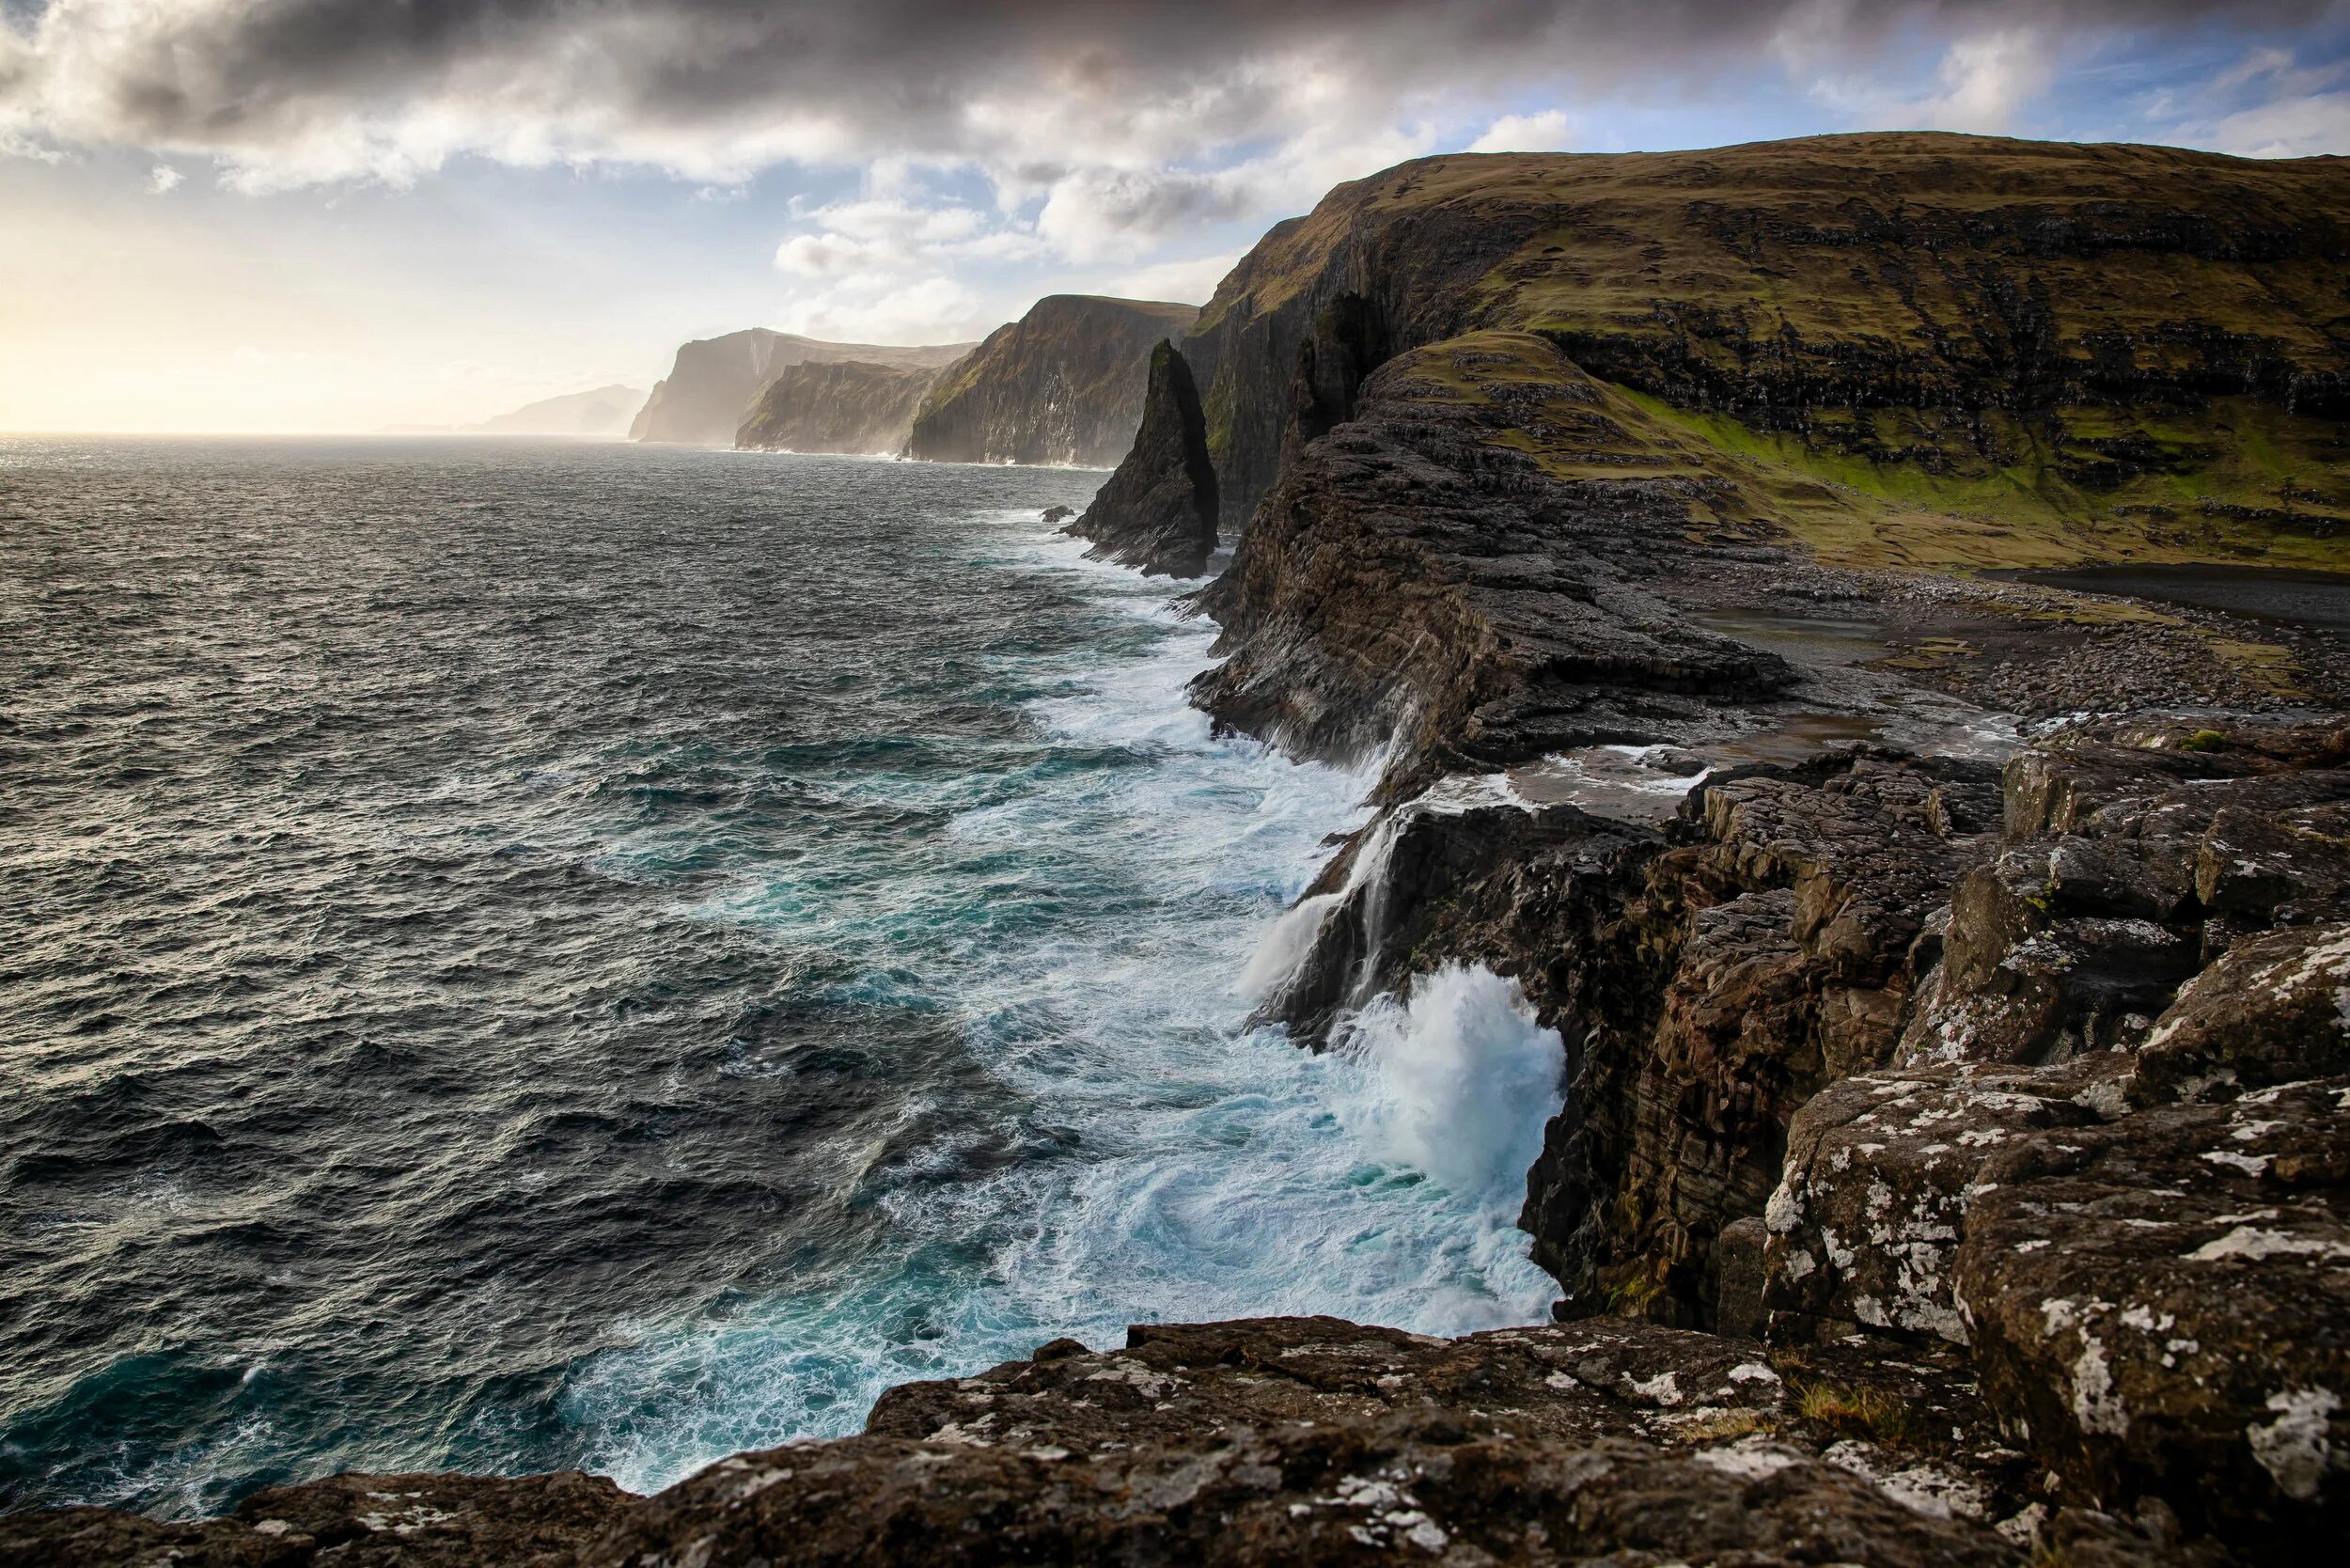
(1063,384)
(841,406)
(708,391)
(1158,513)
(2106,350)
(1570,486)
(602,414)
(1269,1441)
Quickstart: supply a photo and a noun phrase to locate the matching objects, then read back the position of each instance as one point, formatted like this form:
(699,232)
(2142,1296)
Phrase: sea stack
(1158,510)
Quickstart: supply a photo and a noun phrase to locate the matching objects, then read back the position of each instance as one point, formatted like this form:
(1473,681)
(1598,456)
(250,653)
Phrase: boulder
(2161,1306)
(2273,1009)
(2059,945)
(1424,1487)
(1294,1440)
(1865,1226)
(2270,867)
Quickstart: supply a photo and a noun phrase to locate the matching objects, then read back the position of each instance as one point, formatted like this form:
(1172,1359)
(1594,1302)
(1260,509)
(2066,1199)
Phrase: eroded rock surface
(1158,511)
(1784,1120)
(1290,1440)
(1865,1224)
(1064,383)
(1410,577)
(2162,1305)
(395,1521)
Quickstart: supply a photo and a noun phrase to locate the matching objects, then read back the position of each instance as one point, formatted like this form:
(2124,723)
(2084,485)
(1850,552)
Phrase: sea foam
(1461,1081)
(1146,1154)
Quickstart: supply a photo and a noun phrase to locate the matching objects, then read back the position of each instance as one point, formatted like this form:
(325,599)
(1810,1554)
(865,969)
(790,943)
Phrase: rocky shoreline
(1955,1169)
(1954,974)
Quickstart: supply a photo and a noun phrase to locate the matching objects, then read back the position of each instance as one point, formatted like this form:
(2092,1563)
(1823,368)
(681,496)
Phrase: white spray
(1463,1081)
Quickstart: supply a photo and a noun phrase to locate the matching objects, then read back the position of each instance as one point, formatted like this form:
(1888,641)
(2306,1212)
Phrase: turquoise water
(549,956)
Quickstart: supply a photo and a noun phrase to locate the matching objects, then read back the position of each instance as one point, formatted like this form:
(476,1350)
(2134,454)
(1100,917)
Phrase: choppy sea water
(524,956)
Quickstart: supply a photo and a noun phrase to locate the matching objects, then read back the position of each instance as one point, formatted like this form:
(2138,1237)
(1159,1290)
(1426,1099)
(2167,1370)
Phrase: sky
(344,214)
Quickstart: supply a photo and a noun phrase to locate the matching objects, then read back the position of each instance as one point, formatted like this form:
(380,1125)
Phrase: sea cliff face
(709,392)
(602,414)
(1886,1023)
(2073,340)
(1063,384)
(846,406)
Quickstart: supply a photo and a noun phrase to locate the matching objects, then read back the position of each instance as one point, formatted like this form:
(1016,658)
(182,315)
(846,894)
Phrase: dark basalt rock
(2139,862)
(1158,510)
(1442,1487)
(1296,1440)
(1411,579)
(2162,1307)
(2274,1009)
(397,1521)
(1742,991)
(1264,1441)
(1465,882)
(848,407)
(1865,1225)
(1064,383)
(1333,361)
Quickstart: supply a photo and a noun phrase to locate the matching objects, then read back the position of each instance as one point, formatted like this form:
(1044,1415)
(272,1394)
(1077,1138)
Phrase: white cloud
(1116,215)
(898,240)
(886,309)
(2266,106)
(830,255)
(1548,131)
(163,180)
(1986,81)
(1190,282)
(2287,127)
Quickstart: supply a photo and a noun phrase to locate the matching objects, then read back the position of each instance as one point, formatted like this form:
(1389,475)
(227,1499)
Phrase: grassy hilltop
(1902,349)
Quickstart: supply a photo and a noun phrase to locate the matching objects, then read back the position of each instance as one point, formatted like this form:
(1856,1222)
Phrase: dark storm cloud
(902,69)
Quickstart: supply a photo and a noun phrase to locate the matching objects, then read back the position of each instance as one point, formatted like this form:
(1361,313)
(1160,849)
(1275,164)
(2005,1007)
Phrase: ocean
(523,956)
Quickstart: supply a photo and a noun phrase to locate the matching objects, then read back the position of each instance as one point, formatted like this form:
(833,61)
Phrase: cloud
(2287,128)
(163,180)
(1547,132)
(289,92)
(899,235)
(1188,282)
(1115,215)
(1986,83)
(2269,105)
(877,310)
(1072,133)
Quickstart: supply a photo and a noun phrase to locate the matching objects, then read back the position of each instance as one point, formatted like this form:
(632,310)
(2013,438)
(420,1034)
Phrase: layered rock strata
(2043,1063)
(1158,513)
(2106,320)
(845,406)
(710,389)
(1063,384)
(1266,1441)
(1426,576)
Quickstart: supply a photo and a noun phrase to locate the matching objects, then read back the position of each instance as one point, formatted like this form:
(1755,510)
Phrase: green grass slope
(1980,352)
